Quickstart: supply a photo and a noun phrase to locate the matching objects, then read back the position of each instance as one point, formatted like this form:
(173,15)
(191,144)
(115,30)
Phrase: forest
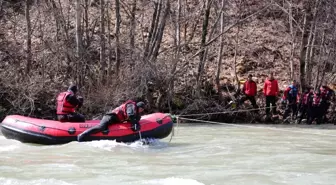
(181,56)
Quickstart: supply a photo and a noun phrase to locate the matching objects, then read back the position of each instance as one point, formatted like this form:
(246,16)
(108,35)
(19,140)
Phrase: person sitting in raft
(128,111)
(66,104)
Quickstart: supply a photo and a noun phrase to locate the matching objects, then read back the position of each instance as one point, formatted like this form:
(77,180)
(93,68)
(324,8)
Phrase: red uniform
(271,88)
(250,88)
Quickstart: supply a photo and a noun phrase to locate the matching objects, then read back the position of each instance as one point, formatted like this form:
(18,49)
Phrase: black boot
(81,137)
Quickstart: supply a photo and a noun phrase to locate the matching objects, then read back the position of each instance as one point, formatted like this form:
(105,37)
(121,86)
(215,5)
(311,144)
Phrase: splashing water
(172,181)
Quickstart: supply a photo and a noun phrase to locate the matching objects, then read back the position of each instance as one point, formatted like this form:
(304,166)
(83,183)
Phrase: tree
(29,33)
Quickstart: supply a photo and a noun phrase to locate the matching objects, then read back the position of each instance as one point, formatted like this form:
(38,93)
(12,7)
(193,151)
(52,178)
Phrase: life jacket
(326,93)
(307,98)
(316,99)
(291,94)
(271,88)
(63,106)
(121,111)
(250,88)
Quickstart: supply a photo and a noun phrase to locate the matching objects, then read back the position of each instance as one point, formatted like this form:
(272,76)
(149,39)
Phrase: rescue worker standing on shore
(271,91)
(305,104)
(66,104)
(249,91)
(327,95)
(290,99)
(128,111)
(316,108)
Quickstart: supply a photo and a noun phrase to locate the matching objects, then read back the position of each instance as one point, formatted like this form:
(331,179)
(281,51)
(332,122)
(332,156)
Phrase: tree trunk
(86,23)
(310,53)
(235,58)
(159,33)
(133,25)
(78,29)
(202,54)
(154,24)
(109,41)
(43,69)
(117,34)
(79,44)
(58,23)
(303,51)
(102,41)
(237,46)
(220,52)
(177,54)
(204,31)
(157,29)
(290,15)
(312,19)
(319,61)
(29,32)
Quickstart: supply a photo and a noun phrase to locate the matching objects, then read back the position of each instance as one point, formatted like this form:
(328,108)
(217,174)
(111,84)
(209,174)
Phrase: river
(198,154)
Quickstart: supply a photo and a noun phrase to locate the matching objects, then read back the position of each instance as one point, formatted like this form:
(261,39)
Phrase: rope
(249,126)
(226,112)
(140,135)
(173,130)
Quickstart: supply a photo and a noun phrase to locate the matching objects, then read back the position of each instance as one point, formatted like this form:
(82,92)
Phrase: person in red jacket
(271,91)
(249,91)
(128,111)
(66,104)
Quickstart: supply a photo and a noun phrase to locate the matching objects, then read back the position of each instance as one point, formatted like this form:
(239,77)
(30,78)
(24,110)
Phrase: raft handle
(72,130)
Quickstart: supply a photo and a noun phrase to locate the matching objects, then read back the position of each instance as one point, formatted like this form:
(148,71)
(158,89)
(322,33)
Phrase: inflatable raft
(49,132)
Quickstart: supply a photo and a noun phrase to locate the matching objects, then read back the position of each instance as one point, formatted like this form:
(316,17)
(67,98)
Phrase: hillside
(140,56)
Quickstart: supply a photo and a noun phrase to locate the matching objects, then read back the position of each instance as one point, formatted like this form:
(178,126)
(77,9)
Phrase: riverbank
(185,73)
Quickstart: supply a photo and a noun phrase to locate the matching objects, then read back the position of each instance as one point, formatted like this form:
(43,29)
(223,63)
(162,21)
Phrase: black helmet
(141,104)
(73,88)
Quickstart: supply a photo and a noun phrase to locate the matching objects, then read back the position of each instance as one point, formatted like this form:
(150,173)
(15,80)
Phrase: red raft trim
(69,129)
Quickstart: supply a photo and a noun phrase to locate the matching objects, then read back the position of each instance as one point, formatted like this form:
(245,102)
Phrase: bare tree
(319,65)
(117,35)
(157,30)
(176,59)
(154,25)
(239,4)
(290,19)
(109,41)
(303,50)
(202,54)
(220,51)
(311,39)
(133,24)
(79,43)
(29,33)
(102,41)
(86,23)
